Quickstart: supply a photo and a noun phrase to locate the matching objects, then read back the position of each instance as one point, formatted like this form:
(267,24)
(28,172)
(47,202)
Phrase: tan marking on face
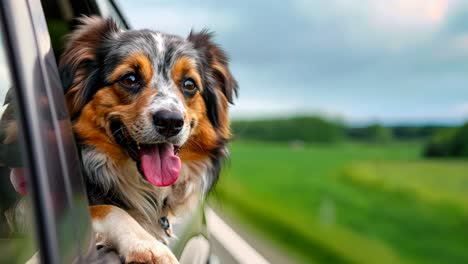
(100,211)
(204,138)
(185,68)
(136,63)
(93,125)
(131,112)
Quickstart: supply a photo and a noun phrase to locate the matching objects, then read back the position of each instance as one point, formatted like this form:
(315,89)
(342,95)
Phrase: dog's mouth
(159,163)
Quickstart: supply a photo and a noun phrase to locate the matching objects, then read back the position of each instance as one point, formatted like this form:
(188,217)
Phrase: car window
(17,243)
(107,9)
(57,191)
(66,186)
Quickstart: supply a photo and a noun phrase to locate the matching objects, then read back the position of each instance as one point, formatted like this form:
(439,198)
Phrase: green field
(350,203)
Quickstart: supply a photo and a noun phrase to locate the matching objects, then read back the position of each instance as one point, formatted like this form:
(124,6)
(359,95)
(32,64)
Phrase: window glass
(65,225)
(66,189)
(108,10)
(17,243)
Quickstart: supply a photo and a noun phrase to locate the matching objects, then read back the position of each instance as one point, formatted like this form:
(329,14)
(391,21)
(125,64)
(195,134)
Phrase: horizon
(339,119)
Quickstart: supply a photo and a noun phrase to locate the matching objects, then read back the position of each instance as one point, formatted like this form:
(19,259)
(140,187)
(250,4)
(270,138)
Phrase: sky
(398,61)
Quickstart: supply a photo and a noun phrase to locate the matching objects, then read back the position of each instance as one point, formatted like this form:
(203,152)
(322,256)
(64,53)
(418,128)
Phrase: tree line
(440,141)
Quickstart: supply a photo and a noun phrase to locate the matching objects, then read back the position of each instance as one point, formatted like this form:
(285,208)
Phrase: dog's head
(148,96)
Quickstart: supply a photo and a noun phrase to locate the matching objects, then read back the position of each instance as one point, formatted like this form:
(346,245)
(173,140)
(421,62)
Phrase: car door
(60,217)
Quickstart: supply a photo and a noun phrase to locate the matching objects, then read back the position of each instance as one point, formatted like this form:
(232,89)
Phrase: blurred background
(349,138)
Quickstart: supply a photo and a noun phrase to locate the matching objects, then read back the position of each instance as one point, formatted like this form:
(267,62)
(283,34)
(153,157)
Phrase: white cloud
(394,24)
(403,15)
(461,109)
(389,15)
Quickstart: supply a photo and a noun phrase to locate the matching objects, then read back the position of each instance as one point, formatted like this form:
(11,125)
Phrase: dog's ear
(78,65)
(220,86)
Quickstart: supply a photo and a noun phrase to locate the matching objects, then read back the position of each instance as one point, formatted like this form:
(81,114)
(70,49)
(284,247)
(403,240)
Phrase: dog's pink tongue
(160,165)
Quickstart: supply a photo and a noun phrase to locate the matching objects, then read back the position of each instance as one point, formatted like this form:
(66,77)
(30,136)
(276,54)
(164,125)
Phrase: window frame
(17,28)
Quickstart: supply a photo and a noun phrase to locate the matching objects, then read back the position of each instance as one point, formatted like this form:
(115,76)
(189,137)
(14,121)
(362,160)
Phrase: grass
(350,203)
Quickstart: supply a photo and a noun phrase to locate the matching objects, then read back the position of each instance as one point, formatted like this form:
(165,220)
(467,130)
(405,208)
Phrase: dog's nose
(168,123)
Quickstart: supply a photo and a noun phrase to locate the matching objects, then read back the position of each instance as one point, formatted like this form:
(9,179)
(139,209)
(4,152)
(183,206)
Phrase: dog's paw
(148,251)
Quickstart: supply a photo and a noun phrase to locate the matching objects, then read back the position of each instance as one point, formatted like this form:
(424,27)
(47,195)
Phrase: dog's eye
(130,80)
(189,87)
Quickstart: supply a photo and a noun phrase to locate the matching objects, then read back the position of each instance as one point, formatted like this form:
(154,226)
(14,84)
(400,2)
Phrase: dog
(150,114)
